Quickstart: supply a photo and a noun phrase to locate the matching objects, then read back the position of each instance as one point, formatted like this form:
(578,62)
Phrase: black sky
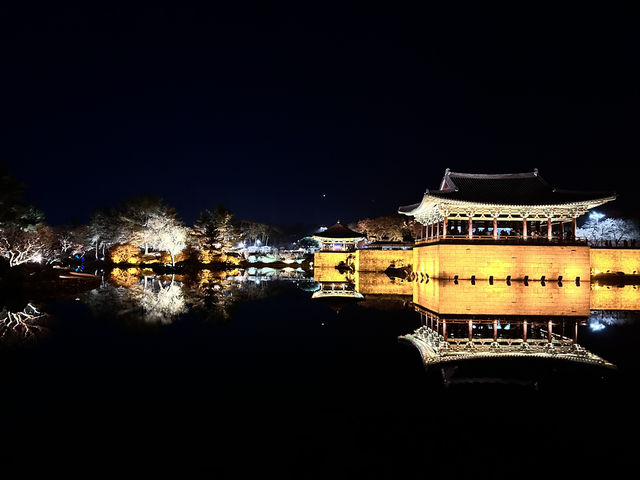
(267,110)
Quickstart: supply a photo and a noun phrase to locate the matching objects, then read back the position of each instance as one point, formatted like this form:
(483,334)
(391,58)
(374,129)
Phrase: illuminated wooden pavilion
(504,206)
(338,238)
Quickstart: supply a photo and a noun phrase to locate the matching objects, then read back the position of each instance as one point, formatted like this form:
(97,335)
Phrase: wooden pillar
(470,227)
(437,229)
(524,331)
(574,227)
(575,332)
(470,330)
(495,228)
(549,230)
(549,331)
(562,230)
(495,330)
(524,228)
(444,329)
(445,227)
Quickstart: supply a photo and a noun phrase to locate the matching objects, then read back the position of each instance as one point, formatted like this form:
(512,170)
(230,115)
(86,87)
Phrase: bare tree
(613,231)
(170,235)
(22,325)
(390,228)
(25,246)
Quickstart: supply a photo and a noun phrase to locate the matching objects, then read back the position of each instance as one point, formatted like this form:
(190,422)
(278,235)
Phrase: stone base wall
(330,259)
(329,274)
(445,261)
(614,297)
(380,260)
(465,298)
(365,260)
(372,283)
(613,260)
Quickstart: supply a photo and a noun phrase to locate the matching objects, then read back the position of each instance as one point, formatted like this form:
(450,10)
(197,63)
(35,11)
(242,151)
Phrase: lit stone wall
(612,260)
(329,259)
(329,274)
(611,297)
(380,260)
(447,298)
(365,260)
(444,261)
(375,283)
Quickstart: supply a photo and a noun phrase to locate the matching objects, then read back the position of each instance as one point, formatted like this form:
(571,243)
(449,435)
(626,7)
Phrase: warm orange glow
(445,261)
(207,256)
(613,297)
(125,277)
(125,254)
(613,260)
(445,297)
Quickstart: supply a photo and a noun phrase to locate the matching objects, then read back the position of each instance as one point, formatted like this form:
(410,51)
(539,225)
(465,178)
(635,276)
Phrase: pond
(259,371)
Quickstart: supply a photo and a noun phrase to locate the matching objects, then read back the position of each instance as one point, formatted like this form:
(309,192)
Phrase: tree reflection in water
(22,326)
(139,294)
(161,299)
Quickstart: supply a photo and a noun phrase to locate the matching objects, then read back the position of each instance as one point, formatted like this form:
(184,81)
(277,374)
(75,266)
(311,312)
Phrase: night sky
(312,113)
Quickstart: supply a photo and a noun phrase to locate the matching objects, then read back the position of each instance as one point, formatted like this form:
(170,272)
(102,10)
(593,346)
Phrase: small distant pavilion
(496,207)
(338,238)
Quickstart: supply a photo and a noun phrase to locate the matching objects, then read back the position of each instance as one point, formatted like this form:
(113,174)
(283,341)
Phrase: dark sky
(268,110)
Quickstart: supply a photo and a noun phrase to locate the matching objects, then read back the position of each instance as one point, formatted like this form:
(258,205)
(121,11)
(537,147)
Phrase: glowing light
(596,326)
(37,258)
(596,216)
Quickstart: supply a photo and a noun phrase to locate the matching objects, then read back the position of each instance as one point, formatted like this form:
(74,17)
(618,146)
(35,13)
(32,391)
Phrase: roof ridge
(495,175)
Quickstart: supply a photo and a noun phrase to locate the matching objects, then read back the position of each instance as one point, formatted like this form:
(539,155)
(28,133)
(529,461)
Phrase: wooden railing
(514,239)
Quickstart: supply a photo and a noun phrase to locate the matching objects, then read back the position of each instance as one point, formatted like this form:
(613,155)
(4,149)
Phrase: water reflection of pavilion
(337,289)
(465,320)
(442,339)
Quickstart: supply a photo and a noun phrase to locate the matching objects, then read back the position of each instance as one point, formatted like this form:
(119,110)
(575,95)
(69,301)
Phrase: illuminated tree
(252,232)
(124,253)
(216,230)
(613,231)
(390,228)
(69,241)
(167,233)
(22,325)
(145,221)
(104,230)
(135,214)
(308,243)
(20,246)
(23,236)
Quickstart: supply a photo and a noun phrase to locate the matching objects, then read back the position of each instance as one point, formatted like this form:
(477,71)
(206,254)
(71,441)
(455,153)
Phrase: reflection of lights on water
(596,326)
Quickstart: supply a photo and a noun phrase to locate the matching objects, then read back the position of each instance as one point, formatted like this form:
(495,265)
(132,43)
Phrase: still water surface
(261,371)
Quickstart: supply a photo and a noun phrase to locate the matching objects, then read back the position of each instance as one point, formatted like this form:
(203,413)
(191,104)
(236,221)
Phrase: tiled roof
(339,231)
(507,189)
